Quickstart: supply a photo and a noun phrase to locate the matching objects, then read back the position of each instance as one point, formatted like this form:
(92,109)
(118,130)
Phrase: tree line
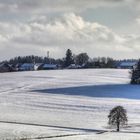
(81,59)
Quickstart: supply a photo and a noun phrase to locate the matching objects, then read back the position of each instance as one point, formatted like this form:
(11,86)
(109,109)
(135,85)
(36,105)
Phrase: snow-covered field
(67,104)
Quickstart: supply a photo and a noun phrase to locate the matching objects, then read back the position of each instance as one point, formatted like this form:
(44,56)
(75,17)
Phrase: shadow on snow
(109,91)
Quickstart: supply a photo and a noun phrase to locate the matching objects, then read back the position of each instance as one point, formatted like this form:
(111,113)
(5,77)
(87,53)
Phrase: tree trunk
(118,126)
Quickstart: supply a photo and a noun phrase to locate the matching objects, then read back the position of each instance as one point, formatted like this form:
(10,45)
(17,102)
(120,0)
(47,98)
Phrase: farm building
(28,67)
(4,67)
(126,64)
(74,66)
(47,67)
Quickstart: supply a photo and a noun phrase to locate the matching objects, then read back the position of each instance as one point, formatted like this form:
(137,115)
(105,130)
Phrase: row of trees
(81,59)
(30,59)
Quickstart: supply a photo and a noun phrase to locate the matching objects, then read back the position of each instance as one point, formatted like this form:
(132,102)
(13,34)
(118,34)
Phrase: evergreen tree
(69,58)
(135,78)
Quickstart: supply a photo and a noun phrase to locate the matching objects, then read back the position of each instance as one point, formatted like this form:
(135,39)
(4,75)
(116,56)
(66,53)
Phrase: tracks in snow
(80,131)
(55,126)
(76,131)
(55,136)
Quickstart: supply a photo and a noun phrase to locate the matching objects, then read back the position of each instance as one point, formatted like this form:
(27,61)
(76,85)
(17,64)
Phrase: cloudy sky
(98,27)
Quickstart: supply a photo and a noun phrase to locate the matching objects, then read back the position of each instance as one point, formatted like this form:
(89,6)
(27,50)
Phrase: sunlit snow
(67,104)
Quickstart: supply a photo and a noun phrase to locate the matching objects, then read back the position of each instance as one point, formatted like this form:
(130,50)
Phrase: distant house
(38,65)
(47,67)
(4,67)
(74,66)
(17,66)
(126,64)
(28,67)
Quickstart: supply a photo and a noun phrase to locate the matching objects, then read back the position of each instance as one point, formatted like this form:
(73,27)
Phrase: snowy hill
(67,104)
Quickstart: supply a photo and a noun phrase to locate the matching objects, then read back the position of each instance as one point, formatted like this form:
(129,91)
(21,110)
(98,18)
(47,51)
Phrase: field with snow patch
(67,104)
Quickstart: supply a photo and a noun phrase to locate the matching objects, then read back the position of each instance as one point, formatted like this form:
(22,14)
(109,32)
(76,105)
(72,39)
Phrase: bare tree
(117,117)
(82,58)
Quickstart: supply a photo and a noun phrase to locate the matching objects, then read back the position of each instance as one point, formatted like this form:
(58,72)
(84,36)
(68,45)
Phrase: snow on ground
(67,104)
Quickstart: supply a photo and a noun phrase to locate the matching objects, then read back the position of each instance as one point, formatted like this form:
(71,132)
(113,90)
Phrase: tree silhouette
(82,58)
(135,78)
(69,58)
(117,117)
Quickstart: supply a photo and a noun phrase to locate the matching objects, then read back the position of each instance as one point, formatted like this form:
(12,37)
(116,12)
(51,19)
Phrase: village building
(47,67)
(74,66)
(4,67)
(127,64)
(28,67)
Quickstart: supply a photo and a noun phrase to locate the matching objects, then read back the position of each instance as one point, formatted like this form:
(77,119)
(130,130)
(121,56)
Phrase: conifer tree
(69,58)
(135,77)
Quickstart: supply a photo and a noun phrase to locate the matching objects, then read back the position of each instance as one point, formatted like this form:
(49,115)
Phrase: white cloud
(70,31)
(29,27)
(67,31)
(138,20)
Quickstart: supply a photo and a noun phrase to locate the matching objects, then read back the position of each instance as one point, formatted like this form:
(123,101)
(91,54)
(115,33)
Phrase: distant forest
(81,59)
